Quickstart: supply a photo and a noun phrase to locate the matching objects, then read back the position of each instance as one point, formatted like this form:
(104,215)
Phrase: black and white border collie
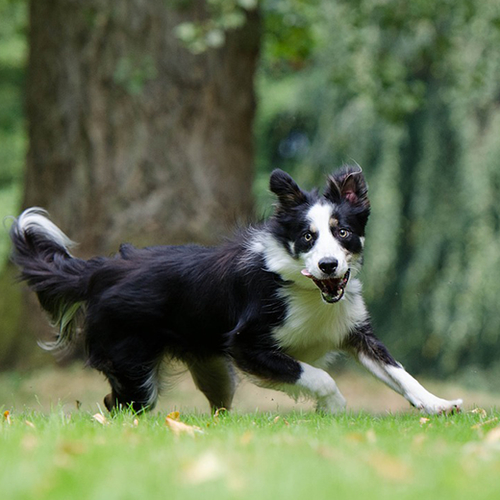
(275,302)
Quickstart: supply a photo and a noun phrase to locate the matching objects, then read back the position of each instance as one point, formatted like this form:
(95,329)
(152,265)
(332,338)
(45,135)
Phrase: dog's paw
(438,406)
(332,404)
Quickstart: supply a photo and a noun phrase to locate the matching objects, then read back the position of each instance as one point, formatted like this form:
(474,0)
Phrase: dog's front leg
(319,385)
(374,356)
(270,367)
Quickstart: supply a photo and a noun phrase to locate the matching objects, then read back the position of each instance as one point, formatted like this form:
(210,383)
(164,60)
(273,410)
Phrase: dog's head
(320,237)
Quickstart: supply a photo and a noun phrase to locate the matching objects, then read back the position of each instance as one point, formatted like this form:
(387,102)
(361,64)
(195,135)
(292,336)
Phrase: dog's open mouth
(332,289)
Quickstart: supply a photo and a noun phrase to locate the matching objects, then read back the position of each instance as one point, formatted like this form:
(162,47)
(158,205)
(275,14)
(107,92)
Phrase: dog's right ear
(286,189)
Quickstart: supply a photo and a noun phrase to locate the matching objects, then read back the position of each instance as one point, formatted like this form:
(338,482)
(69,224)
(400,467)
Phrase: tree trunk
(132,137)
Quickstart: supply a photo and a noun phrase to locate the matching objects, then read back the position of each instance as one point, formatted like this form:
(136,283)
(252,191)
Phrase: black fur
(363,340)
(189,302)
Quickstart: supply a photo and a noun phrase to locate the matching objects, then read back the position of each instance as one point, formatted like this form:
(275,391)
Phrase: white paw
(438,406)
(334,403)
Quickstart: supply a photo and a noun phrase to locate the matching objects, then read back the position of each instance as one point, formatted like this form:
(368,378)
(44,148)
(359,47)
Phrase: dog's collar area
(332,289)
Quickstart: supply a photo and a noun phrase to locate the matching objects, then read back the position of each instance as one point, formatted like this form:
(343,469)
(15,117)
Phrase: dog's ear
(286,189)
(348,184)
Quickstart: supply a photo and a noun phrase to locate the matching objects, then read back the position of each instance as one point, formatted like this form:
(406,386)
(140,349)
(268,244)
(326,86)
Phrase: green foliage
(410,92)
(12,76)
(13,49)
(265,456)
(289,35)
(222,16)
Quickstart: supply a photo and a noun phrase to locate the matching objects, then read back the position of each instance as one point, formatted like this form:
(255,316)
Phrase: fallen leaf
(136,422)
(6,416)
(99,417)
(30,424)
(70,447)
(424,421)
(207,467)
(246,438)
(174,415)
(493,436)
(329,453)
(371,436)
(356,437)
(29,442)
(178,427)
(220,411)
(418,440)
(279,418)
(390,468)
(486,422)
(479,411)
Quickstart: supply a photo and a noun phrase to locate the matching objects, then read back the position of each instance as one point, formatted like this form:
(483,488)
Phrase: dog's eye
(344,233)
(308,237)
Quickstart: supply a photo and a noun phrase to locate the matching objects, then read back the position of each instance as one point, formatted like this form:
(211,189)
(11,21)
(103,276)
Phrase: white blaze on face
(325,246)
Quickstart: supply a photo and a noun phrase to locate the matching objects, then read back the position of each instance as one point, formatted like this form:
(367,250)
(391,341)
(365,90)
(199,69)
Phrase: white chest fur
(313,328)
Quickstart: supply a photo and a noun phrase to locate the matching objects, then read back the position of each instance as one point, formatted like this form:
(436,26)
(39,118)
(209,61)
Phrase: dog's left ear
(348,184)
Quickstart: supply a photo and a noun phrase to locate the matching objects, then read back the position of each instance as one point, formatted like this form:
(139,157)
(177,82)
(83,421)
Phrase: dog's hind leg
(134,375)
(216,378)
(136,388)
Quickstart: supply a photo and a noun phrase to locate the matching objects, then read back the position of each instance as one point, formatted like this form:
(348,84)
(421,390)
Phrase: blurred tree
(132,136)
(410,90)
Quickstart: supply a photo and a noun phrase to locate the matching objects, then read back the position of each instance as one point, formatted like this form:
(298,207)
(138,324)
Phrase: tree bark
(132,137)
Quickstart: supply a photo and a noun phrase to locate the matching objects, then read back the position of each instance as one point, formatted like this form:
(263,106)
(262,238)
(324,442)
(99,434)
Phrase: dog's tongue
(332,289)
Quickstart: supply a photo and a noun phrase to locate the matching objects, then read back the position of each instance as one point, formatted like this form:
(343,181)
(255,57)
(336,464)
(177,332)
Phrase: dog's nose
(328,266)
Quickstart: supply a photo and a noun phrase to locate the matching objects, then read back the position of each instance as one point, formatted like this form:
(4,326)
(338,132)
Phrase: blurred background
(159,121)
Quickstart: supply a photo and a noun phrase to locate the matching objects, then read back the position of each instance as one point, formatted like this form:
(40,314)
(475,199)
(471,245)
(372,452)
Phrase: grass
(249,456)
(49,449)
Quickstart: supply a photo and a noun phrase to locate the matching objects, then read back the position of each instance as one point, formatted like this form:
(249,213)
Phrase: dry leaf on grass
(362,437)
(280,419)
(178,427)
(246,438)
(493,436)
(479,411)
(6,416)
(207,467)
(99,417)
(174,415)
(220,411)
(390,468)
(484,423)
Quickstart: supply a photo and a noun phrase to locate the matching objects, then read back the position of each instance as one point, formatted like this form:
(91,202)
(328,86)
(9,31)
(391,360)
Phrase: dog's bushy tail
(41,251)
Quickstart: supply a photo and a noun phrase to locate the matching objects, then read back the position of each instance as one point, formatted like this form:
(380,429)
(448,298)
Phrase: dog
(274,302)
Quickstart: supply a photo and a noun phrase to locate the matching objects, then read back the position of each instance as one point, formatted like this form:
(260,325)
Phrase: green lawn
(381,448)
(249,456)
